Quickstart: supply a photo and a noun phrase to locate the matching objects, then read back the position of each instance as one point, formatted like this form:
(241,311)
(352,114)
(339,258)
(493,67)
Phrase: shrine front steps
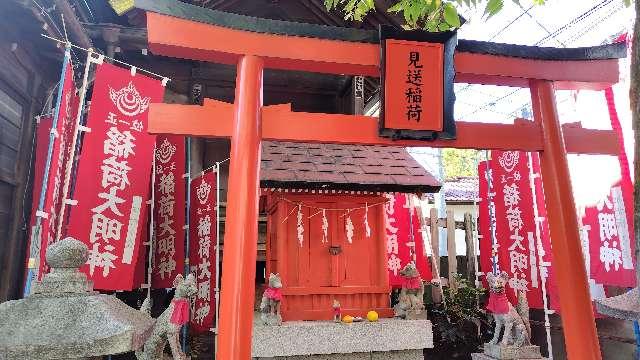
(386,355)
(326,340)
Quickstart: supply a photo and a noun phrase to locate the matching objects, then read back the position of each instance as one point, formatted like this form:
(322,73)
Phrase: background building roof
(462,189)
(343,167)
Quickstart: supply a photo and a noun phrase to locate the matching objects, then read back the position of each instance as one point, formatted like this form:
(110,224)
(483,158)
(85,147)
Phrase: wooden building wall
(24,80)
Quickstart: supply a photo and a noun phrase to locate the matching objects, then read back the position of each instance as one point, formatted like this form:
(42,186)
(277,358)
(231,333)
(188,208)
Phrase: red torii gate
(254,44)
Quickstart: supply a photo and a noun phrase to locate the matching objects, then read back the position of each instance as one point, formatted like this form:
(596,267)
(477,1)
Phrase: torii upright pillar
(241,228)
(575,301)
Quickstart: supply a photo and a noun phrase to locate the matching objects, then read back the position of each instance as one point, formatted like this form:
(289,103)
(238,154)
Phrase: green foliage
(462,302)
(459,162)
(353,9)
(459,324)
(429,15)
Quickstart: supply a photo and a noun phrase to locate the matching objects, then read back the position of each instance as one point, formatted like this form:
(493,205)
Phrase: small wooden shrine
(326,232)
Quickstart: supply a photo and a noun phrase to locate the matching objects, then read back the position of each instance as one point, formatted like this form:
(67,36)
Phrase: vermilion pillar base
(241,228)
(578,322)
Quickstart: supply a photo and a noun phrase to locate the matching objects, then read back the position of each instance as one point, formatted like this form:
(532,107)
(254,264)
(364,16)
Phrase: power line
(525,11)
(503,29)
(576,20)
(539,24)
(561,29)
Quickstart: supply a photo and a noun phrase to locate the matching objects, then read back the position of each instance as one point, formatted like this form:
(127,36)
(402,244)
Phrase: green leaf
(444,27)
(627,3)
(493,7)
(397,7)
(451,15)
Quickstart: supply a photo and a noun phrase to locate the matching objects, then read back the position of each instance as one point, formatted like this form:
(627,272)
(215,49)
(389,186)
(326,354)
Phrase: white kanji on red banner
(117,157)
(202,255)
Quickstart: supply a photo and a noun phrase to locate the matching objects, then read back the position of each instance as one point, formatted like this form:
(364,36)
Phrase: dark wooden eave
(259,25)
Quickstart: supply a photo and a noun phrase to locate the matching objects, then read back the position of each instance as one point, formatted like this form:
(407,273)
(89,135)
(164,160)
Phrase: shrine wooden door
(343,264)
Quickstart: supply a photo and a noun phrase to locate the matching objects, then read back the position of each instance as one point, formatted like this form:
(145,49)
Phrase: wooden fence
(442,266)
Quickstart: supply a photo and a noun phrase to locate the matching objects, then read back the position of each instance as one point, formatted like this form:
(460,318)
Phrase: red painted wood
(180,38)
(280,123)
(356,277)
(580,333)
(241,230)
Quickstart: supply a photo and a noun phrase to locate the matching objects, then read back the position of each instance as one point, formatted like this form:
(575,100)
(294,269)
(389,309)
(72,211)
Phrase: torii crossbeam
(184,31)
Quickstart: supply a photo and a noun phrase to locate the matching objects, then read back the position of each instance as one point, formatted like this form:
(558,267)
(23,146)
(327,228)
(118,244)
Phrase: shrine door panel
(320,260)
(297,256)
(358,265)
(272,244)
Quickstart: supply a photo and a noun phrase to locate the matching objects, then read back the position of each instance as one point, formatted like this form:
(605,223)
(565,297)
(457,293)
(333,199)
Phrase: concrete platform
(480,356)
(325,340)
(500,352)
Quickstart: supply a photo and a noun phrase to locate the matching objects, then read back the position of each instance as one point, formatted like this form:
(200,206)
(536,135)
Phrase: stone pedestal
(271,319)
(385,355)
(387,339)
(500,352)
(416,315)
(64,318)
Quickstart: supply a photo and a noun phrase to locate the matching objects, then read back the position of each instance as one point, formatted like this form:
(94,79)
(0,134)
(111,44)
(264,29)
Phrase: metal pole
(36,234)
(540,249)
(474,221)
(442,208)
(217,289)
(241,225)
(151,222)
(492,215)
(187,220)
(580,334)
(74,140)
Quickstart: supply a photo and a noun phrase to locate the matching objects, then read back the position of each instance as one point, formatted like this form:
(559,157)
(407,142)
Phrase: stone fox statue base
(512,322)
(169,323)
(270,304)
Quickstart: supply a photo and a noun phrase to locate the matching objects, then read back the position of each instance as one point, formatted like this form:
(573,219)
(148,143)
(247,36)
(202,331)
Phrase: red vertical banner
(516,224)
(202,253)
(55,177)
(43,128)
(608,226)
(112,185)
(545,255)
(487,217)
(169,217)
(404,238)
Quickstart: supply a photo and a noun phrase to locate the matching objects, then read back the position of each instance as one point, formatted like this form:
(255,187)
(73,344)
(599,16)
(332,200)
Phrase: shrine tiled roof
(288,165)
(462,189)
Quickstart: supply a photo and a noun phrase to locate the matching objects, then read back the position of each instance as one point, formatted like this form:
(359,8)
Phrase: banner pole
(540,249)
(476,241)
(492,215)
(217,289)
(151,222)
(36,234)
(187,222)
(74,140)
(68,43)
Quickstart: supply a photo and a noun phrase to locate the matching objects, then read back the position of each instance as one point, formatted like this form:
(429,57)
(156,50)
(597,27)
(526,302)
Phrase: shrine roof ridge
(316,166)
(289,28)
